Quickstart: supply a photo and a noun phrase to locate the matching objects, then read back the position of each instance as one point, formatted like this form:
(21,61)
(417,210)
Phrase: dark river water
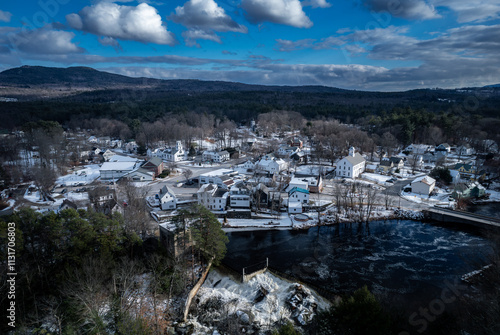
(397,259)
(490,209)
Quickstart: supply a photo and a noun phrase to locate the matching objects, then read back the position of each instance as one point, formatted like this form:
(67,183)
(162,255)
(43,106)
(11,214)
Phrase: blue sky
(382,45)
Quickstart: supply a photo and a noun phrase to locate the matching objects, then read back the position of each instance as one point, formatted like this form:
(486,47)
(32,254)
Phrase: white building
(167,198)
(351,166)
(215,156)
(115,170)
(221,177)
(297,198)
(270,165)
(286,150)
(169,154)
(298,182)
(239,197)
(131,147)
(107,155)
(423,185)
(140,175)
(212,197)
(418,148)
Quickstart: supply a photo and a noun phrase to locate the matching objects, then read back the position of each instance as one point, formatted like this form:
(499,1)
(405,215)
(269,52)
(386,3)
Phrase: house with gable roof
(167,198)
(270,165)
(351,166)
(423,185)
(297,198)
(155,165)
(212,197)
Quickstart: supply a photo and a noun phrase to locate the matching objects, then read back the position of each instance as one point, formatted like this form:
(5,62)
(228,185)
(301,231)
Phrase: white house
(464,150)
(351,166)
(169,154)
(131,147)
(107,155)
(249,165)
(239,196)
(287,150)
(423,185)
(221,177)
(175,154)
(297,182)
(297,198)
(140,175)
(271,165)
(444,147)
(212,197)
(418,148)
(167,198)
(215,156)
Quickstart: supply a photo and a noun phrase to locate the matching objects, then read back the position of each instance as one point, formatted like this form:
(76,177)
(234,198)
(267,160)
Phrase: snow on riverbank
(265,300)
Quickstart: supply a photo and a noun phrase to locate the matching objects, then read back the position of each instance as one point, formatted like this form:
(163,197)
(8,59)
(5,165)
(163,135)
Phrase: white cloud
(316,3)
(206,15)
(5,16)
(287,12)
(44,41)
(192,35)
(407,9)
(204,18)
(140,23)
(469,11)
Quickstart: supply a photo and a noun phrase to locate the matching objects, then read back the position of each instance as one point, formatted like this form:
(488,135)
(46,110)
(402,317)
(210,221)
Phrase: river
(401,260)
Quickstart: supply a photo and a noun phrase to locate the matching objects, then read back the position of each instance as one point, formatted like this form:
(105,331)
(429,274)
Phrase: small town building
(351,166)
(239,196)
(167,198)
(155,165)
(212,197)
(140,174)
(215,156)
(423,185)
(270,165)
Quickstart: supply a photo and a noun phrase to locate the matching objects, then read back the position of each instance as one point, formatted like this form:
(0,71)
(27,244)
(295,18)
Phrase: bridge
(448,215)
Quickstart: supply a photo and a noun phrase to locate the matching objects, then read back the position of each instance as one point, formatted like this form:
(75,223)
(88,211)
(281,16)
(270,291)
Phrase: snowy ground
(84,176)
(313,170)
(264,222)
(375,177)
(263,301)
(440,198)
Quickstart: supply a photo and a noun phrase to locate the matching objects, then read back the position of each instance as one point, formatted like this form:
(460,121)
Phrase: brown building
(154,165)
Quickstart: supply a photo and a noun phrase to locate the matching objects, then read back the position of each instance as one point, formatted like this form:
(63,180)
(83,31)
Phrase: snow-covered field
(84,176)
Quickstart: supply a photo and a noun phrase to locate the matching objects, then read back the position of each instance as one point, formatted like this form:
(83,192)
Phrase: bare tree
(44,178)
(371,197)
(187,173)
(136,212)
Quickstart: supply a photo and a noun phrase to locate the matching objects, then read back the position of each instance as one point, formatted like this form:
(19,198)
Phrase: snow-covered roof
(118,166)
(424,179)
(356,159)
(120,158)
(217,173)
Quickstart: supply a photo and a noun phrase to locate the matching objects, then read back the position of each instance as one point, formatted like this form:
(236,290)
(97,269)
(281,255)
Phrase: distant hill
(495,86)
(77,76)
(89,78)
